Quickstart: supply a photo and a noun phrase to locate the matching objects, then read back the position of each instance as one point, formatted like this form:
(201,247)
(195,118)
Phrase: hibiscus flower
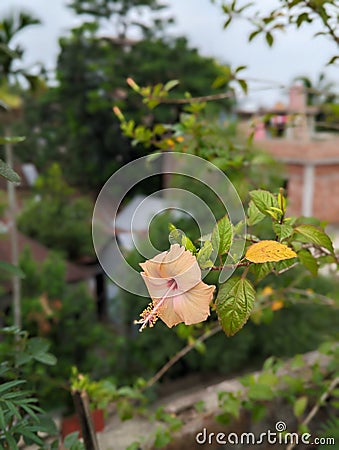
(173,280)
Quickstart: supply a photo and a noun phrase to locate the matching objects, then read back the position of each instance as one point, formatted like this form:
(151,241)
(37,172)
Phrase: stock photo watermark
(280,436)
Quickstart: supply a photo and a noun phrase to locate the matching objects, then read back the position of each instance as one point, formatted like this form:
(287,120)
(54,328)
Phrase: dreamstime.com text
(280,436)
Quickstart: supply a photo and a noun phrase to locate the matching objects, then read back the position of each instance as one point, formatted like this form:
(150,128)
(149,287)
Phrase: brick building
(311,159)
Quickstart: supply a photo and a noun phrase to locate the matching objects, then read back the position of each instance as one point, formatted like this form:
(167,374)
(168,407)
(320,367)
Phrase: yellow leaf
(267,291)
(277,304)
(267,251)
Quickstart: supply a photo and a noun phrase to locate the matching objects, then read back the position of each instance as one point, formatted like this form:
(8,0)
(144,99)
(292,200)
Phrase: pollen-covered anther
(148,317)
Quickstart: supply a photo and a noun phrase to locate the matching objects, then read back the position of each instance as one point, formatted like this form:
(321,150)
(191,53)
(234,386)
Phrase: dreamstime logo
(280,436)
(193,187)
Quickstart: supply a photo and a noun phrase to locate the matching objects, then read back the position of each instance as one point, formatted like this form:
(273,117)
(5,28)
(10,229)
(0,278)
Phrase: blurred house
(311,159)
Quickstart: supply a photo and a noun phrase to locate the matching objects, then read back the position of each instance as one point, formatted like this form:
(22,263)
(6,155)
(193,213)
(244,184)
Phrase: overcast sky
(294,53)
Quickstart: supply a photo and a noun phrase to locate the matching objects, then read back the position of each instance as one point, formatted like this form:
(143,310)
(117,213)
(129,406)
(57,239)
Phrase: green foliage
(71,442)
(8,173)
(99,68)
(20,415)
(57,219)
(10,26)
(287,14)
(222,236)
(234,303)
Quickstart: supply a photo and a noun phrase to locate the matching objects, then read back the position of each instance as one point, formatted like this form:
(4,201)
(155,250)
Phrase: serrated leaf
(308,261)
(254,215)
(264,200)
(269,251)
(177,236)
(8,173)
(283,230)
(260,271)
(234,303)
(300,406)
(11,269)
(204,256)
(222,236)
(283,265)
(310,233)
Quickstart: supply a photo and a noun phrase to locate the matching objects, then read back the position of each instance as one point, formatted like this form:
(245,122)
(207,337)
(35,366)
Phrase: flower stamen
(150,315)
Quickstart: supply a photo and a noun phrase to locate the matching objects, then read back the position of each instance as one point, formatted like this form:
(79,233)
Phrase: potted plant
(84,397)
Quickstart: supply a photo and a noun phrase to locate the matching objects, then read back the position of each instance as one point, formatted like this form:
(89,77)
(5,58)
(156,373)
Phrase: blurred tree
(125,16)
(10,26)
(76,123)
(56,219)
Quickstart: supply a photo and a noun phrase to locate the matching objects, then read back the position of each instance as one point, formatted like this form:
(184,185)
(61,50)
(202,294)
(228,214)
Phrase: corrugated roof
(39,253)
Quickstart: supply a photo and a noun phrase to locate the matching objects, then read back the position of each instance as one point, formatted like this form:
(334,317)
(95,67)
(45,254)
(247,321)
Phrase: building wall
(312,171)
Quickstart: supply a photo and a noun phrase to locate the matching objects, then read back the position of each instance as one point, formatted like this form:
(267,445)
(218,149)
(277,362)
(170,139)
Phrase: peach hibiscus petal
(173,280)
(168,315)
(157,287)
(182,266)
(152,266)
(194,305)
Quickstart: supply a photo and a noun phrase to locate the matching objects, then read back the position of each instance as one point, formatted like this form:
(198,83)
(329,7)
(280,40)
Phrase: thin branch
(181,354)
(325,300)
(231,266)
(317,406)
(203,98)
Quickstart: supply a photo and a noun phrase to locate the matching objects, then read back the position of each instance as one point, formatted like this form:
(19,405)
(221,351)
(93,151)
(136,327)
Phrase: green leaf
(171,84)
(260,271)
(162,438)
(22,358)
(10,440)
(204,255)
(8,173)
(37,346)
(71,439)
(300,406)
(2,419)
(10,268)
(260,392)
(11,140)
(283,230)
(264,200)
(269,38)
(46,358)
(222,236)
(10,385)
(315,235)
(179,237)
(254,34)
(308,261)
(243,85)
(234,303)
(254,215)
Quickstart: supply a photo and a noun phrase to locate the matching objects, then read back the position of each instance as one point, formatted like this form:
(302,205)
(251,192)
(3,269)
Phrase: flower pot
(72,424)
